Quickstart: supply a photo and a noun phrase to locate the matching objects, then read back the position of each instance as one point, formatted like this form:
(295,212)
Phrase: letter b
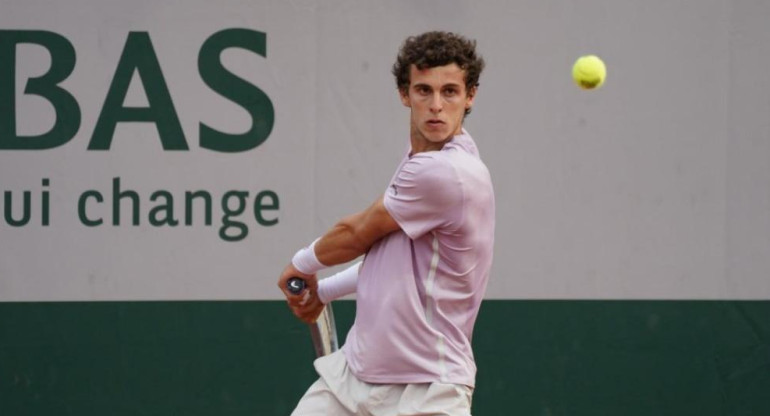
(46,86)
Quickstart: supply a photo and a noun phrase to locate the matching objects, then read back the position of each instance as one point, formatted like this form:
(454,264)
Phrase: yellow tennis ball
(589,72)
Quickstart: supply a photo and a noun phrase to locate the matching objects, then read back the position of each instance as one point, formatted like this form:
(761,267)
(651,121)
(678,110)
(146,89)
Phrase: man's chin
(437,137)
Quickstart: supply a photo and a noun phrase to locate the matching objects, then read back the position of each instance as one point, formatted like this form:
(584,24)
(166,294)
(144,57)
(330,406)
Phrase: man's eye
(450,91)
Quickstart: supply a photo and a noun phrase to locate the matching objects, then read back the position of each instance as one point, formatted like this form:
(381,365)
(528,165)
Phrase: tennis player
(428,249)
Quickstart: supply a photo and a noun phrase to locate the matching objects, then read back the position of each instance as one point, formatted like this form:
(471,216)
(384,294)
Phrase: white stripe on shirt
(429,305)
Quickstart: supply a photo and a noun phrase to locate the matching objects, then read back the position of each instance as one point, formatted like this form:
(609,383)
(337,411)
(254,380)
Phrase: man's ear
(471,96)
(404,95)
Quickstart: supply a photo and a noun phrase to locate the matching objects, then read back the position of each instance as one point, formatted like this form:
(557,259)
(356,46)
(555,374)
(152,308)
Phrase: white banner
(185,149)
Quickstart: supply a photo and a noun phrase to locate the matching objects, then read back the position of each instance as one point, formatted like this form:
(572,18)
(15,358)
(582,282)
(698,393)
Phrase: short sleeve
(425,195)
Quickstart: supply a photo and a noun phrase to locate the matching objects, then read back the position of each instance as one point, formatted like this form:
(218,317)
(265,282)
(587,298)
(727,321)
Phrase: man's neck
(421,144)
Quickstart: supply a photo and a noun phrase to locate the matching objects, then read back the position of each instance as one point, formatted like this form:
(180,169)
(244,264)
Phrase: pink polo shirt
(420,288)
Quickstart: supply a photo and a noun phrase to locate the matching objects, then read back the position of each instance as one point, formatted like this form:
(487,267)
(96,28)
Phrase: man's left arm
(350,238)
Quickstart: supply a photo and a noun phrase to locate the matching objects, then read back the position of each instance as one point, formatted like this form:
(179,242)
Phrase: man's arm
(355,234)
(348,239)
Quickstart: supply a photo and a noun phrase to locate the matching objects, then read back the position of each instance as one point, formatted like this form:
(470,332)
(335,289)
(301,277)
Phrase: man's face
(438,99)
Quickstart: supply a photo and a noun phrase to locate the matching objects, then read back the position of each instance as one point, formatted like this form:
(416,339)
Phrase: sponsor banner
(154,151)
(184,150)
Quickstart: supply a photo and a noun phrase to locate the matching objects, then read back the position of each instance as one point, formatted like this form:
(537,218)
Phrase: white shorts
(338,392)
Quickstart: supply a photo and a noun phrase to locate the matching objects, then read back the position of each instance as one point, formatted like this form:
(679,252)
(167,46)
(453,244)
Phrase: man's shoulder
(433,167)
(427,176)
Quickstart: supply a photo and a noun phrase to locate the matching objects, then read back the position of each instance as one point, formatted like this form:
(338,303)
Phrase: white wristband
(306,261)
(339,285)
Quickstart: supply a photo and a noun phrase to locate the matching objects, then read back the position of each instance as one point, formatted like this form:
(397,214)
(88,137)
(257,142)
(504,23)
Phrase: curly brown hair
(437,48)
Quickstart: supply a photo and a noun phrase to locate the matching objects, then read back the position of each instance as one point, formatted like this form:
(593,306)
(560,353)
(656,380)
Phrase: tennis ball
(589,72)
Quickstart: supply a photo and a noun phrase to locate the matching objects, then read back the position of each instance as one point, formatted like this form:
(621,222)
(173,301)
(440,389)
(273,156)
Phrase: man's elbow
(355,240)
(361,239)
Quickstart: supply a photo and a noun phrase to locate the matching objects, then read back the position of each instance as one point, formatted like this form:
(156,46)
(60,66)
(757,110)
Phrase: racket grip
(323,331)
(296,285)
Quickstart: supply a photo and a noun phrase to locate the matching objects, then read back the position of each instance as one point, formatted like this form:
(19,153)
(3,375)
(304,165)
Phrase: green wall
(252,358)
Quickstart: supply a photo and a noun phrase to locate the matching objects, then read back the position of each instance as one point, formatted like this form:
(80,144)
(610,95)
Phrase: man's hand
(306,306)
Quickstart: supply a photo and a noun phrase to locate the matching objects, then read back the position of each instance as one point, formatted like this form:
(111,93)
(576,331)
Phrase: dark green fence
(252,358)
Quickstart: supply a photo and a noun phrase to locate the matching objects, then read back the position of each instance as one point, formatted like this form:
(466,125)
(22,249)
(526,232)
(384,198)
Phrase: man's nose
(436,103)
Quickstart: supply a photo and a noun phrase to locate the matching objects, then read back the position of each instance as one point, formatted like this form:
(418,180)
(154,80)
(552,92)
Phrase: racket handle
(296,285)
(323,331)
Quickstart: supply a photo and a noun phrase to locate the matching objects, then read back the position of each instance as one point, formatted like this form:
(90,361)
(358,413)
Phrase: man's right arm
(355,234)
